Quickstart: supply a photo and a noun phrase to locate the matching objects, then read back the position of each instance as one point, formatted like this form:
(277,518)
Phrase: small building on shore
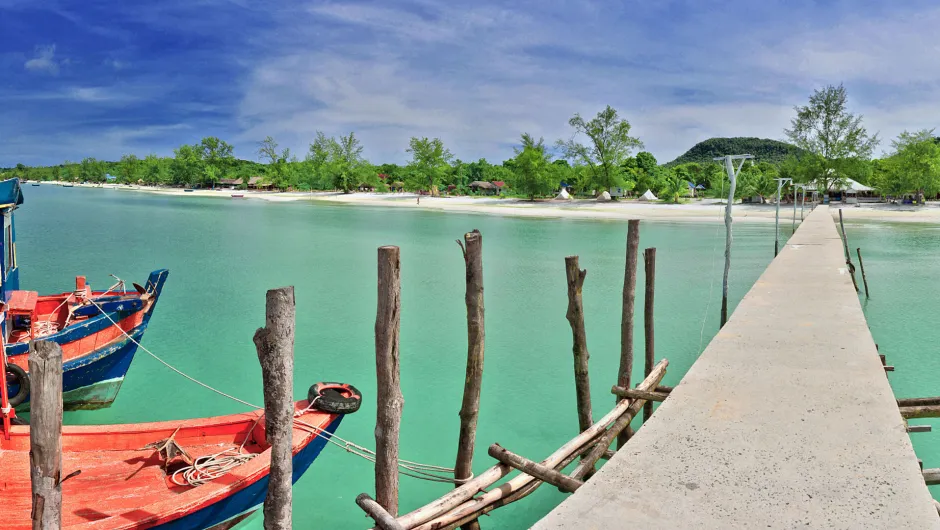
(486,188)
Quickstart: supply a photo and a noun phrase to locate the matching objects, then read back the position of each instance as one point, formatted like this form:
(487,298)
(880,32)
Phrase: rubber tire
(332,401)
(23,379)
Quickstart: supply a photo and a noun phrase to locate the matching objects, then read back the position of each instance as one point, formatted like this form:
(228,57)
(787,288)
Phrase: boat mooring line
(417,470)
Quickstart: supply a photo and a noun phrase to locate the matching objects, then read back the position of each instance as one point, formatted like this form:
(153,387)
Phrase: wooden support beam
(383,520)
(649,266)
(45,434)
(275,346)
(923,411)
(387,368)
(626,319)
(544,473)
(575,315)
(889,368)
(633,393)
(663,389)
(918,428)
(656,375)
(476,335)
(916,402)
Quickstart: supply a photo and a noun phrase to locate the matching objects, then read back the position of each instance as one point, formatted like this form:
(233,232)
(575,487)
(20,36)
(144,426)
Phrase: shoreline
(699,210)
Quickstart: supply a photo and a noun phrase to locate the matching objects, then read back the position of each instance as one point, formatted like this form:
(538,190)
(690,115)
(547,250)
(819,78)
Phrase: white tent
(604,197)
(563,195)
(648,196)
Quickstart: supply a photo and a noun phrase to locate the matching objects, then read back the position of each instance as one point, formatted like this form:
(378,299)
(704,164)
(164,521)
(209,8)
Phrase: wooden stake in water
(627,315)
(575,316)
(45,434)
(388,381)
(476,335)
(861,265)
(848,257)
(275,345)
(733,177)
(649,262)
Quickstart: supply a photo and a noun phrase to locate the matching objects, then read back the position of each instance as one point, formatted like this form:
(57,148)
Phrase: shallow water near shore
(224,254)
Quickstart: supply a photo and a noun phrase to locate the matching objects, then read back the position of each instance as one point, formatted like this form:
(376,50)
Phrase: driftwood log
(275,345)
(387,368)
(45,434)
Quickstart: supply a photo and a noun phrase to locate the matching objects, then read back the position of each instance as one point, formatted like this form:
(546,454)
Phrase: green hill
(763,149)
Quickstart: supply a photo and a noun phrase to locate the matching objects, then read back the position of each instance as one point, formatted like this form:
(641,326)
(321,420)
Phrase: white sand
(707,210)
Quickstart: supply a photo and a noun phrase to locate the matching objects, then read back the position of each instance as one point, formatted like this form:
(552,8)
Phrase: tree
(833,135)
(130,168)
(91,170)
(346,163)
(533,172)
(430,161)
(675,185)
(610,146)
(915,164)
(187,165)
(154,170)
(215,154)
(278,172)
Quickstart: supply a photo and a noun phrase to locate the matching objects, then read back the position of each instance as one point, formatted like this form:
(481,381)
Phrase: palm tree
(674,187)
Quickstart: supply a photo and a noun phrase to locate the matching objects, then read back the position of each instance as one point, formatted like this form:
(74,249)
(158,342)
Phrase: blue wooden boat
(98,330)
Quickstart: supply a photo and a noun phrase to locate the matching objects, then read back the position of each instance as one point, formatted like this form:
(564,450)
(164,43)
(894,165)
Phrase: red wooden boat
(125,480)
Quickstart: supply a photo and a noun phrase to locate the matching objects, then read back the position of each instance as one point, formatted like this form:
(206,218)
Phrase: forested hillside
(763,149)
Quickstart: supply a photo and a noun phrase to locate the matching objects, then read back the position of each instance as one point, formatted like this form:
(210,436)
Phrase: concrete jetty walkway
(785,421)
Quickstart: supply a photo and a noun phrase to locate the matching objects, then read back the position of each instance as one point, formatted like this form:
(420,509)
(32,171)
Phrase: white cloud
(44,61)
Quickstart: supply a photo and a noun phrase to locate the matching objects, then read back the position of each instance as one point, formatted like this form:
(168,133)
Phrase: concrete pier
(786,420)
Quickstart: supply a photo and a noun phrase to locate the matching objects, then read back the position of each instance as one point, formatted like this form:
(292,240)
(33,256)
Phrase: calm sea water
(223,255)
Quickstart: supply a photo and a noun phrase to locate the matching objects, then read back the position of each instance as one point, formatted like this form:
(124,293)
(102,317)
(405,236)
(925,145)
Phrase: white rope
(211,465)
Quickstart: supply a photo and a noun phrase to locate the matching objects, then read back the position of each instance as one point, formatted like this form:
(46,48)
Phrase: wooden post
(388,390)
(649,263)
(383,520)
(575,316)
(275,345)
(544,473)
(917,402)
(848,257)
(861,265)
(45,434)
(626,318)
(476,335)
(920,411)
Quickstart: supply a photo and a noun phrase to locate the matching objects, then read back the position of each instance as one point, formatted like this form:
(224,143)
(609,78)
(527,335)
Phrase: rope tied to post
(216,465)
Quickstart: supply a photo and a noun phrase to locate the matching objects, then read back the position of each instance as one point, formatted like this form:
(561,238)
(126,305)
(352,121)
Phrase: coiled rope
(209,467)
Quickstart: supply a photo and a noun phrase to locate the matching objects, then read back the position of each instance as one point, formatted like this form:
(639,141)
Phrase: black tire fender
(22,379)
(335,398)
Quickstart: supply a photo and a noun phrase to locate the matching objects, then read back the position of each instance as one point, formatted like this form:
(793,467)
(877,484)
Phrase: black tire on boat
(336,398)
(22,379)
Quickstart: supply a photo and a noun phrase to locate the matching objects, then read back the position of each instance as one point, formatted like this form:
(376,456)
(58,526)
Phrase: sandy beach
(697,210)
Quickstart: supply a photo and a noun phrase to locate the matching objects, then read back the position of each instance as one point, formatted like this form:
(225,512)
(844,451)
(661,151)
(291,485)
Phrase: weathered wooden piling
(848,257)
(387,371)
(45,434)
(275,346)
(575,316)
(543,473)
(861,265)
(626,319)
(649,265)
(472,249)
(383,520)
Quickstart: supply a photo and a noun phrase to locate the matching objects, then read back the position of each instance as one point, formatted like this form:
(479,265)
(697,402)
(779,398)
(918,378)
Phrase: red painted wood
(122,486)
(22,302)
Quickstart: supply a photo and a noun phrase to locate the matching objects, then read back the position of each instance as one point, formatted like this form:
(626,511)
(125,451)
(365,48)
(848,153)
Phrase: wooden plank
(932,476)
(543,473)
(918,428)
(387,367)
(45,434)
(275,346)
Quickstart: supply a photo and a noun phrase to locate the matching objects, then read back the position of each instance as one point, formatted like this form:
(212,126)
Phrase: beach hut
(257,183)
(563,195)
(486,188)
(648,196)
(229,183)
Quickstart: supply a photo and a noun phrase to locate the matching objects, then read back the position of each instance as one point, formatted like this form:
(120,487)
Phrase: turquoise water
(223,255)
(901,262)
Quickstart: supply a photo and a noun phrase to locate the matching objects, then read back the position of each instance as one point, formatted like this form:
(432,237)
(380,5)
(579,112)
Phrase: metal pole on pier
(732,176)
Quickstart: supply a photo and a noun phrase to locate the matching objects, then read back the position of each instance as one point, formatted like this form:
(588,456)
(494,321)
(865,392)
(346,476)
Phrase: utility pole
(732,176)
(780,182)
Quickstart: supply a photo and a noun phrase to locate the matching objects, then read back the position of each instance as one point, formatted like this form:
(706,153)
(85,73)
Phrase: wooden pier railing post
(45,434)
(649,263)
(387,368)
(575,316)
(848,257)
(626,319)
(275,346)
(476,336)
(861,265)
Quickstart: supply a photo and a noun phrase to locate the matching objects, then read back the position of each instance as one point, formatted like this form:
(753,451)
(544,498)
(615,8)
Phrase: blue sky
(100,79)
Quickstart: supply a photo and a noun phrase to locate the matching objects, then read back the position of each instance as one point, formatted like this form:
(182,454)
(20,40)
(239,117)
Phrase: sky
(101,79)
